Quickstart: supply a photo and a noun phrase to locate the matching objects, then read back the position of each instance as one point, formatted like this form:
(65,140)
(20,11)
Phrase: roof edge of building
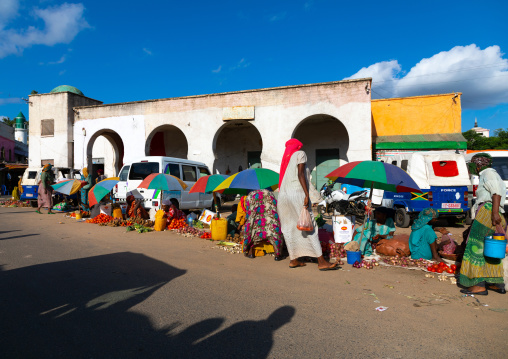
(58,93)
(229,93)
(420,96)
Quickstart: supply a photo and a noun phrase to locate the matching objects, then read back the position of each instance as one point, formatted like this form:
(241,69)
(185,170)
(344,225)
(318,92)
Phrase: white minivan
(131,175)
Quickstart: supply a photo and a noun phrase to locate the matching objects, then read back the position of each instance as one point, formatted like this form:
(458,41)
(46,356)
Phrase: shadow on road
(15,230)
(21,236)
(82,309)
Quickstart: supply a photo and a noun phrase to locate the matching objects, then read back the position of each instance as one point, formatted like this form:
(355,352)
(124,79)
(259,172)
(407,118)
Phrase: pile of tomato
(177,224)
(206,235)
(443,268)
(101,218)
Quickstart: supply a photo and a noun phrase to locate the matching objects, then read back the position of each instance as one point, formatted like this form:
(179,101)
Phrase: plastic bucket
(494,248)
(353,257)
(219,228)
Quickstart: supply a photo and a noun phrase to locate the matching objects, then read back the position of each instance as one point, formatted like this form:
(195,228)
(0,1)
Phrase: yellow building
(417,123)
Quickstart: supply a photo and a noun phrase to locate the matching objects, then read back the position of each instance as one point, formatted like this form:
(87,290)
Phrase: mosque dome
(67,88)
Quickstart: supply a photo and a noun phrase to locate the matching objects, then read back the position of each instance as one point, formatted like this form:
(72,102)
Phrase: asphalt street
(78,290)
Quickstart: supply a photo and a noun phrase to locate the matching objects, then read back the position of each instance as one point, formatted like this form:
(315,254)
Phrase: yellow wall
(416,115)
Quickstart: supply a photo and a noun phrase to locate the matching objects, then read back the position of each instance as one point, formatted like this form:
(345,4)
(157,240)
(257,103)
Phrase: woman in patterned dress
(262,222)
(478,273)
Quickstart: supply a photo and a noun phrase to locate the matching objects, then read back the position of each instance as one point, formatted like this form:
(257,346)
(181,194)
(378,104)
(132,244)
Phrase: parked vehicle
(30,184)
(500,164)
(443,178)
(131,175)
(339,202)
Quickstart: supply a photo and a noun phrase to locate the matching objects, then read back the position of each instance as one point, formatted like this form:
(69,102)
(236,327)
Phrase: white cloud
(61,25)
(148,52)
(277,17)
(61,61)
(8,10)
(217,70)
(62,72)
(241,64)
(10,101)
(481,76)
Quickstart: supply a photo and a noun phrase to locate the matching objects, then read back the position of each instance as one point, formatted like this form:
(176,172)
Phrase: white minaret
(20,131)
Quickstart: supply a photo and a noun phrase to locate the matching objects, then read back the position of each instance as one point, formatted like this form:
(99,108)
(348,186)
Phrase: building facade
(227,131)
(418,123)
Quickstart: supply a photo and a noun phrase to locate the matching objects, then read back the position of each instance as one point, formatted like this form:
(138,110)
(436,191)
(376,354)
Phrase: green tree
(8,121)
(475,141)
(34,92)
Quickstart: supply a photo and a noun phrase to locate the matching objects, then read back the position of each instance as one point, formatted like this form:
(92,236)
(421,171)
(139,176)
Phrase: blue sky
(117,51)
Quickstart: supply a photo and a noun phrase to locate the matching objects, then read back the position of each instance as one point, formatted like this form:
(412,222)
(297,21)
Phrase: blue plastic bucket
(353,257)
(494,248)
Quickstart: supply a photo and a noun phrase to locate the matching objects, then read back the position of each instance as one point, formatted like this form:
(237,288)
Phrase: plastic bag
(304,221)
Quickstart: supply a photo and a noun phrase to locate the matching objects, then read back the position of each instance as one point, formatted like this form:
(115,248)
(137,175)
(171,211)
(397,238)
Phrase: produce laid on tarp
(12,203)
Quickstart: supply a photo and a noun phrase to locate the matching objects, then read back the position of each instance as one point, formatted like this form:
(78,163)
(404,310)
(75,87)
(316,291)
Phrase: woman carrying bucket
(479,273)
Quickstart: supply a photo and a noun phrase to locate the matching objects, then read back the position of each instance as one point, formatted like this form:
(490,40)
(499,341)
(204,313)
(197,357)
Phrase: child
(446,243)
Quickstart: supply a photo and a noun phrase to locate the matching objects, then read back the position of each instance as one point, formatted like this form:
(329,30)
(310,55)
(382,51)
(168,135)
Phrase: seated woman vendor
(135,209)
(422,241)
(170,207)
(381,227)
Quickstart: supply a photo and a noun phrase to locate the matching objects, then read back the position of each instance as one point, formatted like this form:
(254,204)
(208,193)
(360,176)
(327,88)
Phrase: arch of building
(167,140)
(113,158)
(237,145)
(326,142)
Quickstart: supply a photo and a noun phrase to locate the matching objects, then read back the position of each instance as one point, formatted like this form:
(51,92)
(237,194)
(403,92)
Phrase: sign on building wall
(238,113)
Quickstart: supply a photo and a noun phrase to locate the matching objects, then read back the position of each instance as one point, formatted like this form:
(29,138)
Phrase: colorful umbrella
(101,189)
(163,182)
(374,174)
(207,184)
(249,180)
(68,186)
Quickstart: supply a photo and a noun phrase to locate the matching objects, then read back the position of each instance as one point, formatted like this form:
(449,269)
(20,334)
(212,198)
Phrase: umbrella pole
(215,203)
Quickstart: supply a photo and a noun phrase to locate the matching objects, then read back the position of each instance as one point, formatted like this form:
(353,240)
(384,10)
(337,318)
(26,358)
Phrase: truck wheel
(402,219)
(33,204)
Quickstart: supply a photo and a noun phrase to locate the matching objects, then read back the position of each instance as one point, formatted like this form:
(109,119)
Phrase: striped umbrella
(207,184)
(249,180)
(68,186)
(374,174)
(163,182)
(101,189)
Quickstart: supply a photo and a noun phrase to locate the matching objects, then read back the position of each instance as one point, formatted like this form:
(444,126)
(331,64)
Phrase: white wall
(102,148)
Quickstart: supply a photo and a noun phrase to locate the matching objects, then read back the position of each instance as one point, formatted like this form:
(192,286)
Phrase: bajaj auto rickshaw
(443,178)
(30,184)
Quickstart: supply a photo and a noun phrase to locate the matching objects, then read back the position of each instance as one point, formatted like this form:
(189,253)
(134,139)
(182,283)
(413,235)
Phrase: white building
(482,131)
(227,131)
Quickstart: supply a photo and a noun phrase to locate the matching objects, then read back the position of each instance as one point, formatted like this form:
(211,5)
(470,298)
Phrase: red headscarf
(292,146)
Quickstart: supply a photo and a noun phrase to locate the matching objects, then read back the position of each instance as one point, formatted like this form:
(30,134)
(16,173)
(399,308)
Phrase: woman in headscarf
(262,222)
(422,241)
(293,196)
(45,194)
(135,209)
(84,191)
(241,213)
(478,273)
(381,227)
(100,175)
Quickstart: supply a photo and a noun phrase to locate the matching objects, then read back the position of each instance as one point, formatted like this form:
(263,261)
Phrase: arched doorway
(167,140)
(237,145)
(326,142)
(105,151)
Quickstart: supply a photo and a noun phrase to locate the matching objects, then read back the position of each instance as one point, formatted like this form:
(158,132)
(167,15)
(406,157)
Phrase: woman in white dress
(293,194)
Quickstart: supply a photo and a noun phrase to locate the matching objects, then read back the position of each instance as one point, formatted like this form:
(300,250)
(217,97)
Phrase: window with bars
(47,127)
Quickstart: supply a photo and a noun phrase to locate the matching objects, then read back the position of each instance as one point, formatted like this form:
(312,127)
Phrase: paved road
(77,290)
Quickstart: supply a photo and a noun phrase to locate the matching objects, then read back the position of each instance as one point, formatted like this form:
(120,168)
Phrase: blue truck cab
(443,178)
